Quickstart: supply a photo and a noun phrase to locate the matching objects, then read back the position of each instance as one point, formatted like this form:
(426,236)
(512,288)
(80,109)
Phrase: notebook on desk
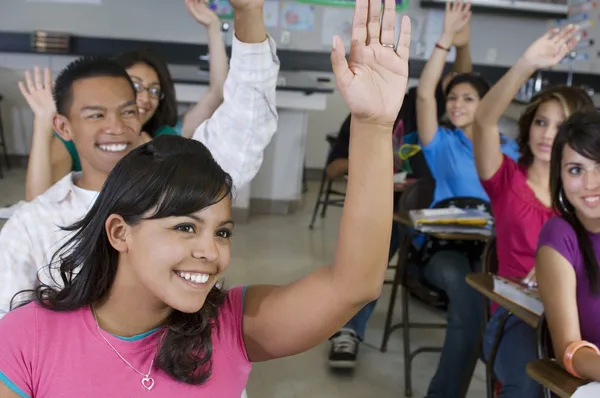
(452,220)
(520,293)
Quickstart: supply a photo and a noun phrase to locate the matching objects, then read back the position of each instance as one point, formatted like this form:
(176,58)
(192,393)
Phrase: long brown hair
(572,99)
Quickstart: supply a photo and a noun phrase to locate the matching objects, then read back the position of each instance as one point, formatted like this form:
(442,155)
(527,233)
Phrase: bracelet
(438,45)
(570,353)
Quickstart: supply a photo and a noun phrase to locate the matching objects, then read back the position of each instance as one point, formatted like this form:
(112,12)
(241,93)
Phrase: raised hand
(373,81)
(38,94)
(456,17)
(462,37)
(552,47)
(202,13)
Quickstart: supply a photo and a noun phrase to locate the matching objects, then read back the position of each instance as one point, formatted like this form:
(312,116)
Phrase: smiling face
(461,105)
(581,183)
(146,82)
(176,260)
(102,121)
(548,118)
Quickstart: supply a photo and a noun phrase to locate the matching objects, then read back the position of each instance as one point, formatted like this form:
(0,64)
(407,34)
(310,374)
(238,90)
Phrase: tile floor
(279,249)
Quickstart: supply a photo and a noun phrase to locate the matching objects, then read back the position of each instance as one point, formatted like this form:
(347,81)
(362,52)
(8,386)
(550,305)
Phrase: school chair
(416,196)
(3,143)
(327,196)
(547,371)
(489,260)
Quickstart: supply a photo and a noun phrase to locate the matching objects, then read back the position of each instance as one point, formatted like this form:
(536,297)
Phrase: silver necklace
(147,381)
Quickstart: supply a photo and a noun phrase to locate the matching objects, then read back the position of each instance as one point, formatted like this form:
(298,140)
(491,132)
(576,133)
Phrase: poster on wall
(400,4)
(271,14)
(296,16)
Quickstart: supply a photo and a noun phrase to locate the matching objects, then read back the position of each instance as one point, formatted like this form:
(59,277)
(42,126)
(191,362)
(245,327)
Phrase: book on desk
(452,220)
(520,293)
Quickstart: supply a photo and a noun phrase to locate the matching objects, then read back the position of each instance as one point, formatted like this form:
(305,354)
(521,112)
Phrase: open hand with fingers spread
(373,81)
(551,48)
(202,13)
(456,17)
(37,91)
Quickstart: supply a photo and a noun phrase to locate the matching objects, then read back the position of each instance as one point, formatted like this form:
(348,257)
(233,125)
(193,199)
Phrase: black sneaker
(344,348)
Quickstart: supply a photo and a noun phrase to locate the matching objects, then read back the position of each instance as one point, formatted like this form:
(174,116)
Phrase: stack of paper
(452,220)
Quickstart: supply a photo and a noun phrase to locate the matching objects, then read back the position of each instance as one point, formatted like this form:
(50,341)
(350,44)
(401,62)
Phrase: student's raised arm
(545,52)
(456,17)
(218,67)
(286,320)
(242,126)
(48,161)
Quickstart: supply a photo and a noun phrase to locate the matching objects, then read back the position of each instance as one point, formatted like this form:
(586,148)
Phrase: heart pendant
(148,383)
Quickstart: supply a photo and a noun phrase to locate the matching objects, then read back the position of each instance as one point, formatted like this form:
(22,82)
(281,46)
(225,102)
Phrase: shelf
(510,7)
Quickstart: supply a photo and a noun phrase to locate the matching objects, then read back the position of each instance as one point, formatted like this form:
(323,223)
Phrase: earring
(561,202)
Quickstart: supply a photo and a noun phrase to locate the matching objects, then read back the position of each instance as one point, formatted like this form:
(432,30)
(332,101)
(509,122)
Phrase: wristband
(438,45)
(570,353)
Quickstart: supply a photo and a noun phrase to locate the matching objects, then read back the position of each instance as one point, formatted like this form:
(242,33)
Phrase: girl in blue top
(52,157)
(448,151)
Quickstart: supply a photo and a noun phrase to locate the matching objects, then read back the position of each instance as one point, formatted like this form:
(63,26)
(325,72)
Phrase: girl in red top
(519,192)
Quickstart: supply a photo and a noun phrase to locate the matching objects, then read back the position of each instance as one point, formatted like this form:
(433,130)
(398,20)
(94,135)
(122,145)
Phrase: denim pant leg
(447,271)
(517,348)
(359,322)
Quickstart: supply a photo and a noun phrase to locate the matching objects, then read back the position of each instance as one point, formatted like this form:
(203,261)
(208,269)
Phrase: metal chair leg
(319,201)
(398,278)
(326,200)
(406,344)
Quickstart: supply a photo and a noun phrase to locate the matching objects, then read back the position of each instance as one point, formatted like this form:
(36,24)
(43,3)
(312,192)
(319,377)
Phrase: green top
(76,163)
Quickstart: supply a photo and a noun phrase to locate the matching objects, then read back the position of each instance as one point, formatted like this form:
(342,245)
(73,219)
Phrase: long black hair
(581,132)
(166,113)
(168,176)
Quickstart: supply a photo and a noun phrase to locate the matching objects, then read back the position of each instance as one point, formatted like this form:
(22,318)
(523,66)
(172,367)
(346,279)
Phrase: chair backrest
(544,340)
(417,195)
(489,259)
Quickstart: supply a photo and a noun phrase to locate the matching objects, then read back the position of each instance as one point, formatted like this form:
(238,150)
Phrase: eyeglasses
(154,92)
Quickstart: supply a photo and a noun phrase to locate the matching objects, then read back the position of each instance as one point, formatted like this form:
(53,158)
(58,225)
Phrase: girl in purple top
(136,308)
(569,246)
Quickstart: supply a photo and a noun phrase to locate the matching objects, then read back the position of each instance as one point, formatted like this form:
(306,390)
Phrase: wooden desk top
(484,284)
(404,219)
(550,374)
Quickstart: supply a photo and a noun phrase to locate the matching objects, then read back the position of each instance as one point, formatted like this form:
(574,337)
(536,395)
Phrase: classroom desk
(484,284)
(551,375)
(404,219)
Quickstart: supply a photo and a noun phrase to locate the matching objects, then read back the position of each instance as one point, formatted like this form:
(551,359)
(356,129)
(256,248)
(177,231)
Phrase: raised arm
(558,284)
(456,17)
(240,129)
(218,67)
(545,52)
(462,62)
(47,164)
(286,320)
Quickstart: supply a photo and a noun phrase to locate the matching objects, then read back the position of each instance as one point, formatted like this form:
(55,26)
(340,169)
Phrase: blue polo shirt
(452,163)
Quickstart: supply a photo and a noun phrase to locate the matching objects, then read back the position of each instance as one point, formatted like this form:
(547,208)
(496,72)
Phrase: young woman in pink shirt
(519,191)
(136,308)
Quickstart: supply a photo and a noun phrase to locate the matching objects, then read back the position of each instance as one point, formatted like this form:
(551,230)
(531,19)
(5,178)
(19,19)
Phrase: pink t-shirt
(519,217)
(61,354)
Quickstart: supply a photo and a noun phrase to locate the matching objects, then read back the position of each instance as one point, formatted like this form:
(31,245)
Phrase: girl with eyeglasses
(51,157)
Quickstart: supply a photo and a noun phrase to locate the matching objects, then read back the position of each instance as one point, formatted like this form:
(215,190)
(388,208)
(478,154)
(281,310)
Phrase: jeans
(447,271)
(359,322)
(517,348)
